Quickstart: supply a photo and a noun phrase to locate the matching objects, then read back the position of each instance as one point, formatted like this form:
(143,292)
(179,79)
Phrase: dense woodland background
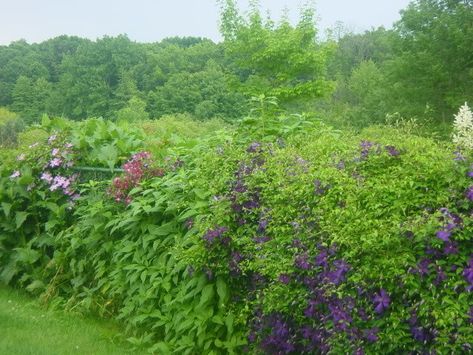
(421,68)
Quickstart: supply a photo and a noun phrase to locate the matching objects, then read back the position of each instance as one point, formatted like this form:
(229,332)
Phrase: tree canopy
(275,59)
(421,68)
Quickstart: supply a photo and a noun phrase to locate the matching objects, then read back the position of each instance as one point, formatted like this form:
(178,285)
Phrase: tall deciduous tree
(31,97)
(205,94)
(434,57)
(278,60)
(17,59)
(89,77)
(134,111)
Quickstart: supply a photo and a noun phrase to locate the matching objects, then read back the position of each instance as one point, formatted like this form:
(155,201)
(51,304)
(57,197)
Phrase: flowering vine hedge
(309,241)
(342,247)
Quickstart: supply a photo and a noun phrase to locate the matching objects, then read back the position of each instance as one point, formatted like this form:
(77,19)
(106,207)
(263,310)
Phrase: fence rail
(95,173)
(100,170)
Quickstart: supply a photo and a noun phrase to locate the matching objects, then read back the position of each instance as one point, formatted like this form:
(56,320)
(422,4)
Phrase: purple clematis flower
(254,147)
(459,156)
(284,278)
(444,235)
(337,275)
(340,316)
(322,258)
(302,262)
(381,301)
(450,248)
(468,274)
(469,193)
(213,234)
(371,334)
(262,225)
(261,239)
(392,150)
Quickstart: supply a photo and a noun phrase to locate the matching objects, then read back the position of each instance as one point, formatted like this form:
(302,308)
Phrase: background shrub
(10,126)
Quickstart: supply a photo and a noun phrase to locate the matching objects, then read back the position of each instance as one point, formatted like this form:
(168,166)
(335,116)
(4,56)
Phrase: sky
(153,20)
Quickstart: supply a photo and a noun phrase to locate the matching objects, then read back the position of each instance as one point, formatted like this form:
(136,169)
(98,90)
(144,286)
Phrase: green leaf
(184,325)
(26,177)
(35,285)
(108,154)
(50,224)
(8,272)
(222,291)
(53,207)
(207,295)
(160,348)
(162,230)
(229,320)
(202,194)
(26,255)
(20,218)
(45,120)
(217,319)
(6,208)
(187,214)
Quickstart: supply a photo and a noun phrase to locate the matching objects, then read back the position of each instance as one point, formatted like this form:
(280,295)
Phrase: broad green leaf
(45,120)
(108,154)
(8,272)
(35,285)
(206,295)
(160,348)
(222,291)
(26,255)
(162,230)
(229,321)
(20,218)
(6,208)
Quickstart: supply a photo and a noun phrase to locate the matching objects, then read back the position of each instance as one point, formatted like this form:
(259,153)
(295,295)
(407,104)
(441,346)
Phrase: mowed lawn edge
(30,328)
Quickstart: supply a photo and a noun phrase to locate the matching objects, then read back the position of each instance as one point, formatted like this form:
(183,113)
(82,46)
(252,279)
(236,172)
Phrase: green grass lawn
(28,328)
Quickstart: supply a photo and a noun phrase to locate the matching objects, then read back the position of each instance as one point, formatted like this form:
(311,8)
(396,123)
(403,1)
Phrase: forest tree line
(422,67)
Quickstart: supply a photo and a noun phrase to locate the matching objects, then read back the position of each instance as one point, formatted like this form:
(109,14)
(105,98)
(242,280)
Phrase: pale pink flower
(52,138)
(55,162)
(46,177)
(15,174)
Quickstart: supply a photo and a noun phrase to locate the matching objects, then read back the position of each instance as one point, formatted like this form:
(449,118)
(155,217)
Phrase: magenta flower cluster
(137,169)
